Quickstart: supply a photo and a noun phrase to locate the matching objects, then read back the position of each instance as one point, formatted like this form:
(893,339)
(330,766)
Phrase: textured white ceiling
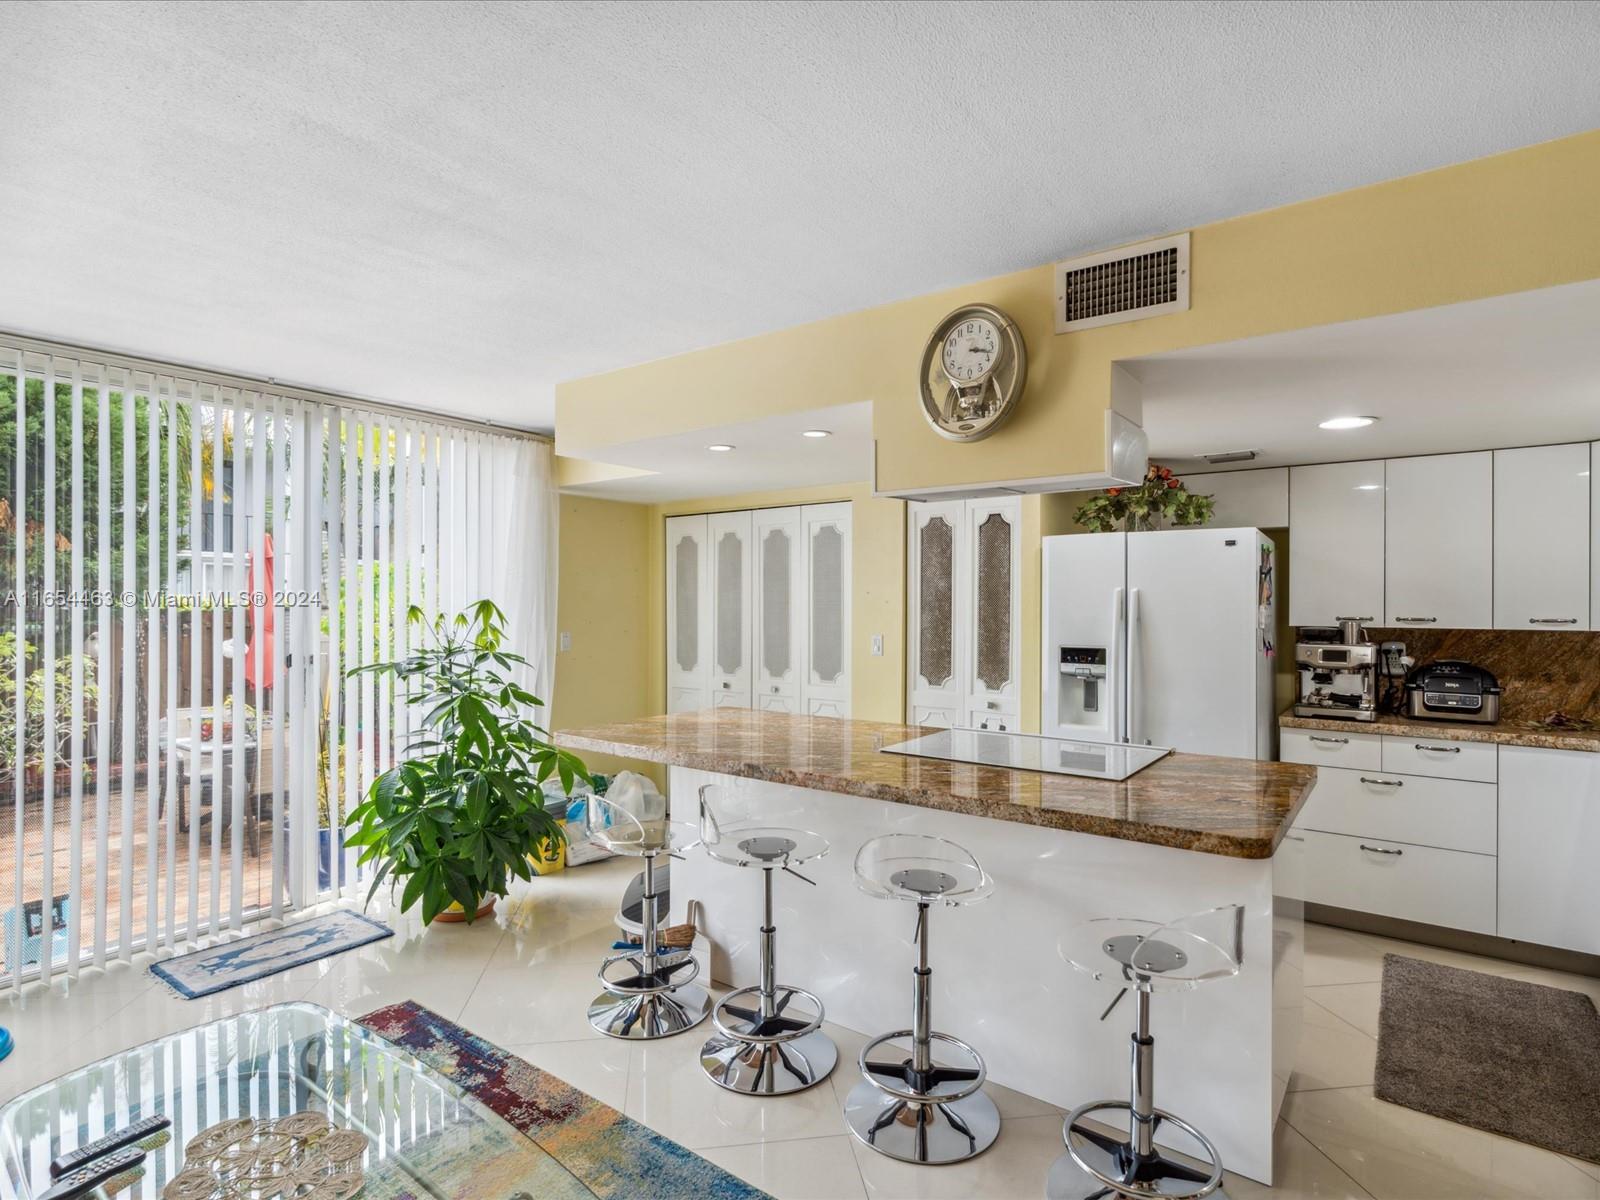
(458,205)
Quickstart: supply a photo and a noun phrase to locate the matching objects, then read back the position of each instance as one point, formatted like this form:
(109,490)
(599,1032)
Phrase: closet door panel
(732,671)
(936,599)
(688,615)
(778,616)
(825,686)
(994,602)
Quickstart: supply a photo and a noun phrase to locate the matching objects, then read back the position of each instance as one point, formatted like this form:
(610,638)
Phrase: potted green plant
(1161,497)
(459,816)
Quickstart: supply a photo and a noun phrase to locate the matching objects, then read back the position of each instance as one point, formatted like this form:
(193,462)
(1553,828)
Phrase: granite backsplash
(1541,672)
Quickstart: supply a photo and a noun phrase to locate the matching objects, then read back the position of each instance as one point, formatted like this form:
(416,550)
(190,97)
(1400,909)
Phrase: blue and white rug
(221,967)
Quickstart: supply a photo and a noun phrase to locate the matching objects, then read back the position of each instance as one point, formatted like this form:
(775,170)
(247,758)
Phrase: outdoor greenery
(1161,497)
(460,816)
(34,692)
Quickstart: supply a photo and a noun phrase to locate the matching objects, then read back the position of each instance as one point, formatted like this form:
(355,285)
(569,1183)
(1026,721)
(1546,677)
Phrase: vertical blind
(191,568)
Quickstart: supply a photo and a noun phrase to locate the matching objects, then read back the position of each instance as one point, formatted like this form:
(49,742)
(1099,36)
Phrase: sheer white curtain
(190,566)
(527,533)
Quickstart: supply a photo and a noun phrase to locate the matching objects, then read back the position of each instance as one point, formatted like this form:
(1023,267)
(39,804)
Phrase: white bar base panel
(1224,1050)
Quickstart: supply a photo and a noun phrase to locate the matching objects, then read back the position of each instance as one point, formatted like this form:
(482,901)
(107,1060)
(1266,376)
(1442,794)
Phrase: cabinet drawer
(1447,813)
(1439,757)
(1411,883)
(1322,748)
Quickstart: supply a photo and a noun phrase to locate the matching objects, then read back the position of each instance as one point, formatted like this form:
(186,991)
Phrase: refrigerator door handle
(1115,680)
(1131,686)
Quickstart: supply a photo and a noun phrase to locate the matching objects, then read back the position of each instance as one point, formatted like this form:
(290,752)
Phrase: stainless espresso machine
(1338,671)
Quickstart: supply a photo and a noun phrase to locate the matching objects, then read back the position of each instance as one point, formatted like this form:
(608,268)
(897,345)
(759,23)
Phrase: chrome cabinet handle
(1552,620)
(1438,749)
(1355,618)
(1381,850)
(1329,740)
(1419,620)
(1383,782)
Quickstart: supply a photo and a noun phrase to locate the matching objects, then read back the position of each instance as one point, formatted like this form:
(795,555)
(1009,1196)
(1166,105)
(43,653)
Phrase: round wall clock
(973,370)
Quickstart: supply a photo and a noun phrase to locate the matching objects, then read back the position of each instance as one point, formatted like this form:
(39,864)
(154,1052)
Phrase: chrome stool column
(764,1045)
(929,1106)
(649,993)
(1148,957)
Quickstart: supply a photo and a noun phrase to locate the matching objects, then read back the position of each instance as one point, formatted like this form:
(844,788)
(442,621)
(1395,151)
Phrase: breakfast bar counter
(1184,835)
(1230,806)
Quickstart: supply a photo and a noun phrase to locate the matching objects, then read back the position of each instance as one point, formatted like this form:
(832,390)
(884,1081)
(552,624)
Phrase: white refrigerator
(1162,638)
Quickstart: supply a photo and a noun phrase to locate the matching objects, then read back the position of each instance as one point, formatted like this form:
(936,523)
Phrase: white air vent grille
(1125,284)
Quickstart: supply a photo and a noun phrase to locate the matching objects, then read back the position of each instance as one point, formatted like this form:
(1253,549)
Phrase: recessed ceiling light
(1369,487)
(817,433)
(1346,422)
(719,447)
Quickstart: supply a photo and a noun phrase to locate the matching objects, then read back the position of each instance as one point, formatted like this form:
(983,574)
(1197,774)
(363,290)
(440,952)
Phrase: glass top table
(427,1137)
(1032,752)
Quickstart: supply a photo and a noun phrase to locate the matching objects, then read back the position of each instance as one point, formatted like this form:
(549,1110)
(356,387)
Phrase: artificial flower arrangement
(1161,497)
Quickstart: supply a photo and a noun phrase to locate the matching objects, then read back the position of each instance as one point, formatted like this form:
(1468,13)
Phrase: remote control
(87,1178)
(116,1140)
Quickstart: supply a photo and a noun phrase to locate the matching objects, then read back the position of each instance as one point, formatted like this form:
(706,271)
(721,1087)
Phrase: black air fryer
(1451,690)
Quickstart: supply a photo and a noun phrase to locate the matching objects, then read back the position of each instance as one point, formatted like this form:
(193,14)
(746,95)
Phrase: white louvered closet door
(779,604)
(992,647)
(936,537)
(825,687)
(731,669)
(688,615)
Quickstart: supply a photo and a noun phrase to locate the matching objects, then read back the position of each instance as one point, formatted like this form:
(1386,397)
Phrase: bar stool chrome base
(768,1055)
(1104,1166)
(931,1117)
(648,1015)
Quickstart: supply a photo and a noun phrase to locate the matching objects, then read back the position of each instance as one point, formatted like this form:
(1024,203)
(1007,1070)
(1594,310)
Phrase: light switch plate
(877,645)
(566,641)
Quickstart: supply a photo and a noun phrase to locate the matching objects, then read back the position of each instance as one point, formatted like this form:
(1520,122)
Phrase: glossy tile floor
(524,980)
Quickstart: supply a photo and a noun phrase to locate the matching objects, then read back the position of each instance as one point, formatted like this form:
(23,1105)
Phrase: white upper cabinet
(688,615)
(778,618)
(1594,538)
(1336,522)
(1245,499)
(1439,545)
(1541,537)
(730,554)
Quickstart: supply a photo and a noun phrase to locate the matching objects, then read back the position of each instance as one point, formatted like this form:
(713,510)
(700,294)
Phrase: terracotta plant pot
(455,914)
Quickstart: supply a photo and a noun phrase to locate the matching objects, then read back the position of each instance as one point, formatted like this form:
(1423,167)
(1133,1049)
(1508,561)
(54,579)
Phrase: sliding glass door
(189,569)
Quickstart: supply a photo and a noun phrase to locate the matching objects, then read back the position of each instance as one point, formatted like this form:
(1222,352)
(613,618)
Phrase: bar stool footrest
(669,973)
(784,1029)
(942,1084)
(1098,1161)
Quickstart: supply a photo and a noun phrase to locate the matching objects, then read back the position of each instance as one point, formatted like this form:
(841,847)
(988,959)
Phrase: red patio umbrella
(261,616)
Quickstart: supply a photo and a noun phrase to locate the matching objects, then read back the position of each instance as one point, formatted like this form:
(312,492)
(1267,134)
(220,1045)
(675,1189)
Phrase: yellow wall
(606,604)
(1509,223)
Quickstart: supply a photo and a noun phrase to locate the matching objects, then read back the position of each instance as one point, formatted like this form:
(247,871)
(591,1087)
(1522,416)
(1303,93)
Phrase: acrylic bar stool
(1147,957)
(929,1106)
(769,1038)
(648,993)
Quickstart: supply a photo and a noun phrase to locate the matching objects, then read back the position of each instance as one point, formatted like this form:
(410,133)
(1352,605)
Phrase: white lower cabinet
(1443,813)
(1465,835)
(1549,847)
(1395,879)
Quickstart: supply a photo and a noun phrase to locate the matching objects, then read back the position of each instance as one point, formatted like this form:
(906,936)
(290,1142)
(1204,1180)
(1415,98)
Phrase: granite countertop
(1229,806)
(1508,731)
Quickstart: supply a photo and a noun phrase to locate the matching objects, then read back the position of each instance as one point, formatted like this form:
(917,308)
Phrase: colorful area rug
(220,967)
(613,1156)
(1510,1057)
